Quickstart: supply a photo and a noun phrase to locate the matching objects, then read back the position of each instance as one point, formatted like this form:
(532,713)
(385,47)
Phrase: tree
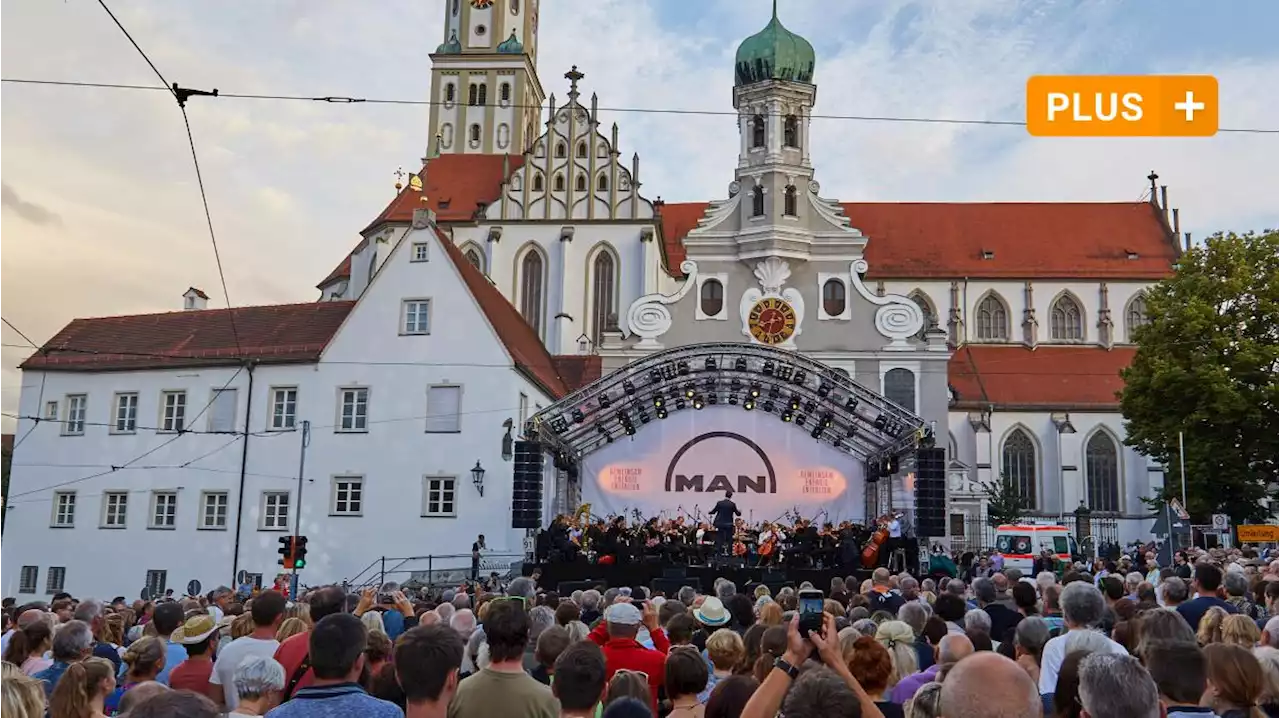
(1206,366)
(1005,504)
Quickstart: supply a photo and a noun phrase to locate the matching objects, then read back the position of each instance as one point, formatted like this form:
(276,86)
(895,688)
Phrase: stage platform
(564,578)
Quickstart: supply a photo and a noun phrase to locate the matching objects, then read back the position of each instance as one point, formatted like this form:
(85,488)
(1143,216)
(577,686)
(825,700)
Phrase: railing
(431,571)
(979,535)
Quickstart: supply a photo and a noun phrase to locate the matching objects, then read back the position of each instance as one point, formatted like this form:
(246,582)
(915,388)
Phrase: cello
(871,551)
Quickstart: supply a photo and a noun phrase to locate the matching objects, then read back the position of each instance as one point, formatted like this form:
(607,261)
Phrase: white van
(1021,544)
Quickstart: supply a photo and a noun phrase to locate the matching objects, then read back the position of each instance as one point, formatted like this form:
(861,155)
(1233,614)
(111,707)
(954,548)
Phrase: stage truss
(812,396)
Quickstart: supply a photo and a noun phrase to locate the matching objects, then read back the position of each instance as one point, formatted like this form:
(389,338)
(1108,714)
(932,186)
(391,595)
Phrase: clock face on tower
(772,321)
(481,4)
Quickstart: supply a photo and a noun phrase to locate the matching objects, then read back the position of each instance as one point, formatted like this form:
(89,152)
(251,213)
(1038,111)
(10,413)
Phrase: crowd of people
(1128,640)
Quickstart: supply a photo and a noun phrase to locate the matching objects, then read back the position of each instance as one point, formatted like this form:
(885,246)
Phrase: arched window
(930,316)
(833,298)
(456,3)
(582,149)
(472,93)
(504,92)
(757,201)
(791,131)
(1018,464)
(449,92)
(603,294)
(900,388)
(1135,315)
(1066,320)
(561,150)
(580,183)
(1102,473)
(484,93)
(559,183)
(515,7)
(711,297)
(474,258)
(537,182)
(757,131)
(993,319)
(602,184)
(789,201)
(475,134)
(531,271)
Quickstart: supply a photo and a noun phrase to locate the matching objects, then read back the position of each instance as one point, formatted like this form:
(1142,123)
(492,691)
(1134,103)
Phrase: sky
(100,213)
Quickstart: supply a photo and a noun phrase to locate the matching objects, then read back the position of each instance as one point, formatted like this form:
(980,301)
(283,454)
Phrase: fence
(976,533)
(433,571)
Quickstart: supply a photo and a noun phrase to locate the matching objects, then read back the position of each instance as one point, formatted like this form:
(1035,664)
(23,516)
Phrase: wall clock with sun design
(772,320)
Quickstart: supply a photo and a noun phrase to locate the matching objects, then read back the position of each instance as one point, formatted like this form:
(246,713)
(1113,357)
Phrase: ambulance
(1021,544)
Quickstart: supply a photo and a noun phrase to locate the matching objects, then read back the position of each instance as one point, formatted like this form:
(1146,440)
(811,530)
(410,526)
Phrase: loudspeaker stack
(931,493)
(526,490)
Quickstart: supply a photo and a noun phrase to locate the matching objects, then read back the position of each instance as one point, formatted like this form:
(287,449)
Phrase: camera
(811,605)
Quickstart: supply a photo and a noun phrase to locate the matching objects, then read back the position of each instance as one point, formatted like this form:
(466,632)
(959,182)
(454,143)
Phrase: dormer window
(988,254)
(1131,254)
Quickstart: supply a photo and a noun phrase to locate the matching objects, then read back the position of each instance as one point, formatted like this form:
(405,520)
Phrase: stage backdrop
(688,460)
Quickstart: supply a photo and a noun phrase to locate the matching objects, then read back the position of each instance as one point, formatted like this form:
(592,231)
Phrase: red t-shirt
(191,676)
(290,655)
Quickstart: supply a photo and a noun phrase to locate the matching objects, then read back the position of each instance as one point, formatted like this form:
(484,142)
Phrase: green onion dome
(511,46)
(452,47)
(774,53)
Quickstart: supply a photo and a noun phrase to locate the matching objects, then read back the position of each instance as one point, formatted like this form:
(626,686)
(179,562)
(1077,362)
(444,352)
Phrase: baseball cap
(623,614)
(195,630)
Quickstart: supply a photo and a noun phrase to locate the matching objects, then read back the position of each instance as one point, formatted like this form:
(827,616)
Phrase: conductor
(724,513)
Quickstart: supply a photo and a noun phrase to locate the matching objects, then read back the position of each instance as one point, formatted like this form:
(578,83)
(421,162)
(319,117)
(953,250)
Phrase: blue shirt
(175,653)
(51,675)
(1195,609)
(339,700)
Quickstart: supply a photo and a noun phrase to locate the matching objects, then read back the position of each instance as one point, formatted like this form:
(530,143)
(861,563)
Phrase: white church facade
(521,263)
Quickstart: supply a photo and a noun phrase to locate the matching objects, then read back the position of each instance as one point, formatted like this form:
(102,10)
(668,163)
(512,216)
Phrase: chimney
(194,300)
(1187,242)
(1152,178)
(1164,198)
(1177,226)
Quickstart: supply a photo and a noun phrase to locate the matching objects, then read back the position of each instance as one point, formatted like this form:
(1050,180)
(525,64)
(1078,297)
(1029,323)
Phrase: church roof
(774,53)
(1014,240)
(1080,378)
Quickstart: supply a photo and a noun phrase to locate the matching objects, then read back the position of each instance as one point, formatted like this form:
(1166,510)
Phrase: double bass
(871,551)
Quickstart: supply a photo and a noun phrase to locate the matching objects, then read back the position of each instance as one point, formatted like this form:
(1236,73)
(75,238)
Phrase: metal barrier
(977,534)
(432,571)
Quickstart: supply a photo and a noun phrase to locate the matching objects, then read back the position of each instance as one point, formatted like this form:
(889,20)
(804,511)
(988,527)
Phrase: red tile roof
(276,334)
(454,185)
(1061,377)
(1027,240)
(526,349)
(342,271)
(578,370)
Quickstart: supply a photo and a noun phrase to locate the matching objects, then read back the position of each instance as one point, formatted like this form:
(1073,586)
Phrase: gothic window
(504,92)
(474,258)
(1066,320)
(475,134)
(561,150)
(456,3)
(603,294)
(559,183)
(993,319)
(473,91)
(757,131)
(1018,465)
(582,149)
(515,7)
(1102,473)
(1135,315)
(711,297)
(531,276)
(789,201)
(833,298)
(757,201)
(537,182)
(449,92)
(484,94)
(791,131)
(580,183)
(900,388)
(930,316)
(602,184)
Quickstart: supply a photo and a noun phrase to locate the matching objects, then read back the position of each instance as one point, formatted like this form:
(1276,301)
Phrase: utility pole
(297,513)
(1182,469)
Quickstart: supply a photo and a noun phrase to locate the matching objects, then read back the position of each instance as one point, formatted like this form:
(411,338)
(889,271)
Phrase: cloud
(29,211)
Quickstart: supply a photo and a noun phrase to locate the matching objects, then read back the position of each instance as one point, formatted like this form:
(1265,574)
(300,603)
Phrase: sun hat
(712,612)
(195,630)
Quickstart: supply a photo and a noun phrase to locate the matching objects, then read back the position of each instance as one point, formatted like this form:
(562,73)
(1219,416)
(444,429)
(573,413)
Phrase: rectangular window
(524,414)
(156,580)
(420,250)
(284,408)
(76,405)
(222,410)
(353,409)
(126,413)
(50,414)
(174,404)
(64,509)
(275,510)
(164,509)
(348,496)
(27,579)
(213,510)
(444,409)
(417,316)
(56,579)
(115,506)
(439,496)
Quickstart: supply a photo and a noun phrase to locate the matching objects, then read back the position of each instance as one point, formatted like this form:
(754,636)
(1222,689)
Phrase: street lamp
(477,477)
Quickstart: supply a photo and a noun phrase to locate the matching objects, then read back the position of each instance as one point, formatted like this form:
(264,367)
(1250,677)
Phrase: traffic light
(300,552)
(286,551)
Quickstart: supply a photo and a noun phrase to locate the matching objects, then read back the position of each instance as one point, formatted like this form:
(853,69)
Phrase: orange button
(1122,105)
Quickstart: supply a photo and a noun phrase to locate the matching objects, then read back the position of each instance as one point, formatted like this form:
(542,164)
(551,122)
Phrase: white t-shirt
(215,612)
(895,529)
(229,658)
(1055,652)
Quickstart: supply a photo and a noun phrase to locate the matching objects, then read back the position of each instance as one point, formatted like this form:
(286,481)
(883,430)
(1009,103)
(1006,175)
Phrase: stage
(566,577)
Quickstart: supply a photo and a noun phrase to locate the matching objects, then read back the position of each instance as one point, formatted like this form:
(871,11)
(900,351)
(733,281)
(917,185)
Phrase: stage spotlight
(711,383)
(740,364)
(799,377)
(735,385)
(850,404)
(710,364)
(816,433)
(668,370)
(800,419)
(733,399)
(605,433)
(712,399)
(689,391)
(826,420)
(755,390)
(605,401)
(880,422)
(698,402)
(810,407)
(774,393)
(852,431)
(559,425)
(680,403)
(629,388)
(683,367)
(631,430)
(768,406)
(767,369)
(786,416)
(795,402)
(784,372)
(578,416)
(658,402)
(662,413)
(644,417)
(824,389)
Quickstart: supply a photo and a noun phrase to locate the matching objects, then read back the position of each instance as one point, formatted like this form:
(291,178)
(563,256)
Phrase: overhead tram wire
(347,100)
(35,420)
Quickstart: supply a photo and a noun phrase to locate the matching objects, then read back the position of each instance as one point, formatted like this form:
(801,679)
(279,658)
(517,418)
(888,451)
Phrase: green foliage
(1206,366)
(1005,504)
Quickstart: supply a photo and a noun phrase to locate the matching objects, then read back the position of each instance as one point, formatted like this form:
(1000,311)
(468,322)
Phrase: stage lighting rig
(559,425)
(683,368)
(786,416)
(578,416)
(655,376)
(668,371)
(604,431)
(794,403)
(662,413)
(712,399)
(629,388)
(733,400)
(810,407)
(658,402)
(680,403)
(824,389)
(710,364)
(768,406)
(755,391)
(605,401)
(827,420)
(749,404)
(689,391)
(740,364)
(784,372)
(767,369)
(698,403)
(799,377)
(851,404)
(644,416)
(817,432)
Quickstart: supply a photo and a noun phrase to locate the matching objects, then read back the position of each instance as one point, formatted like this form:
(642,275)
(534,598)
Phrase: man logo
(753,472)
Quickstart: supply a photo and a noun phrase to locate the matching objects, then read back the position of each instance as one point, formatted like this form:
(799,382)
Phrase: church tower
(774,95)
(485,92)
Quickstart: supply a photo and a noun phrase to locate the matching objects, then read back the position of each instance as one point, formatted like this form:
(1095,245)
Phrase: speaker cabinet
(526,486)
(931,493)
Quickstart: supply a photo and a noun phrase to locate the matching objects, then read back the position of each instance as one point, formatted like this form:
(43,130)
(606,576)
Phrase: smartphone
(811,604)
